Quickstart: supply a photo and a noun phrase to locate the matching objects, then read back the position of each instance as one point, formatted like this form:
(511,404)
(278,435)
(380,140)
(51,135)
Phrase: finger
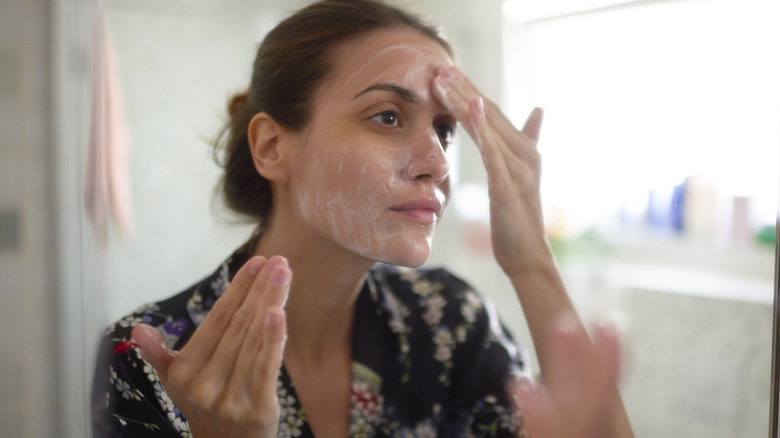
(520,144)
(256,336)
(218,318)
(456,93)
(518,389)
(456,103)
(566,361)
(506,152)
(595,373)
(588,415)
(496,118)
(602,386)
(154,348)
(491,150)
(533,125)
(608,349)
(469,110)
(533,410)
(220,366)
(201,346)
(269,361)
(457,83)
(277,286)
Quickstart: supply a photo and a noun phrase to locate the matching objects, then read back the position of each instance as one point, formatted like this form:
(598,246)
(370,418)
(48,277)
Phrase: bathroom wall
(177,75)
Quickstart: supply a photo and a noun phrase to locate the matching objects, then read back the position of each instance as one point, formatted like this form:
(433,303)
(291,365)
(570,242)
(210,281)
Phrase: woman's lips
(424,211)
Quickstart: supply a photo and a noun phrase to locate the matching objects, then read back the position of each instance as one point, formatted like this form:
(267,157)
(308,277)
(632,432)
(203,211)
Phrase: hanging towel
(107,183)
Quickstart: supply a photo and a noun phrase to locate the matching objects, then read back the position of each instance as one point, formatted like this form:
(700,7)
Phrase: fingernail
(567,323)
(280,276)
(606,329)
(479,107)
(613,323)
(448,72)
(442,89)
(276,261)
(442,84)
(254,265)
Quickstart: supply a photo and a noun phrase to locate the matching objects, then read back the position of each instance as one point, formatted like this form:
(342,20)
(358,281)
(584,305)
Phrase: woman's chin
(409,249)
(411,257)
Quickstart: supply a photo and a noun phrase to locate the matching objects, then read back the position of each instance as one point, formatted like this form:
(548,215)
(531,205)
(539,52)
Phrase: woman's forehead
(405,57)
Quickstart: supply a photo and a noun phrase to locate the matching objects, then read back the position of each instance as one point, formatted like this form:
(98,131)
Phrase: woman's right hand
(224,379)
(580,390)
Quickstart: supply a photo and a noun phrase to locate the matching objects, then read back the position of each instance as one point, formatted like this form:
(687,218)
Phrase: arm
(519,243)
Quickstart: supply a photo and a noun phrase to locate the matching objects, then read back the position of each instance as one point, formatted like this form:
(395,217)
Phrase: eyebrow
(404,93)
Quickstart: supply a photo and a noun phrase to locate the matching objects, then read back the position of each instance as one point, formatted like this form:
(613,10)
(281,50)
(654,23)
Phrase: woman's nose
(428,160)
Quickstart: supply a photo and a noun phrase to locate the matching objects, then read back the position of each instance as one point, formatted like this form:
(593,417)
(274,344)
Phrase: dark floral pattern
(430,359)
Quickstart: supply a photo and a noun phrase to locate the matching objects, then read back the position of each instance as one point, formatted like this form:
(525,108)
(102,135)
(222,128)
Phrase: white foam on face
(349,202)
(402,74)
(419,67)
(350,187)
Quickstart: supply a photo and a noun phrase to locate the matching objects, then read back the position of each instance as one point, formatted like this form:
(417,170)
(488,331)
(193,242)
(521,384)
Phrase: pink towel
(107,184)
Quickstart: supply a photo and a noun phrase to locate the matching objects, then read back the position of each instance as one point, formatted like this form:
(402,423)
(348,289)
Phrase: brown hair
(292,62)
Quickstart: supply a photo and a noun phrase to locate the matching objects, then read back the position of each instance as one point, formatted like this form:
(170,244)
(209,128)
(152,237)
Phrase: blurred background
(661,149)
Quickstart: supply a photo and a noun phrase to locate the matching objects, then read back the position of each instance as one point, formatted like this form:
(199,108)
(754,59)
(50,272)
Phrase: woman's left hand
(513,167)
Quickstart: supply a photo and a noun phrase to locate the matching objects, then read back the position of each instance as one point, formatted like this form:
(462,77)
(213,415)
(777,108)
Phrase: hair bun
(236,104)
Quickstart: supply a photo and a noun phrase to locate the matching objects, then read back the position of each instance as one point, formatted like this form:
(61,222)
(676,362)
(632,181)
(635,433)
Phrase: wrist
(533,259)
(539,285)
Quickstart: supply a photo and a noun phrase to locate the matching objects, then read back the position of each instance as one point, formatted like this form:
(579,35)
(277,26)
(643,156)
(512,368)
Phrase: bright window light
(640,98)
(526,11)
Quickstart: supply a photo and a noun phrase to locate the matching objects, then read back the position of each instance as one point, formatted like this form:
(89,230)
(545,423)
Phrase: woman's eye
(387,118)
(446,133)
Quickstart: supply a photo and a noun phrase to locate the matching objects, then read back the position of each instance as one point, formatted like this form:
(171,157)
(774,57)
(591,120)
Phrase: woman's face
(370,173)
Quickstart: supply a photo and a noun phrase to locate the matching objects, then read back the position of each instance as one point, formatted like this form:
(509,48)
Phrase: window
(662,115)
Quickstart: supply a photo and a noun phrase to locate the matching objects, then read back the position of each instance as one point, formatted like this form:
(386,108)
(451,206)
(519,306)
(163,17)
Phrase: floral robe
(429,359)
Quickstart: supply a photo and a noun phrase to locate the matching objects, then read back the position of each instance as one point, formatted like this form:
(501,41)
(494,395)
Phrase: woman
(338,152)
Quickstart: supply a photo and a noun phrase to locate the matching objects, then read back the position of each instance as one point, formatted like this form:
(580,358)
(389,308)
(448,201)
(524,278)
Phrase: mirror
(697,312)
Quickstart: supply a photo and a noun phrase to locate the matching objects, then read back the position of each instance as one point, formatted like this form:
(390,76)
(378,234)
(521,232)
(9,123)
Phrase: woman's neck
(326,282)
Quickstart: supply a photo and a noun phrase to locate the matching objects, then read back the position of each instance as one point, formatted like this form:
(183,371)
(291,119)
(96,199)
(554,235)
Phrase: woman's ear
(265,142)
